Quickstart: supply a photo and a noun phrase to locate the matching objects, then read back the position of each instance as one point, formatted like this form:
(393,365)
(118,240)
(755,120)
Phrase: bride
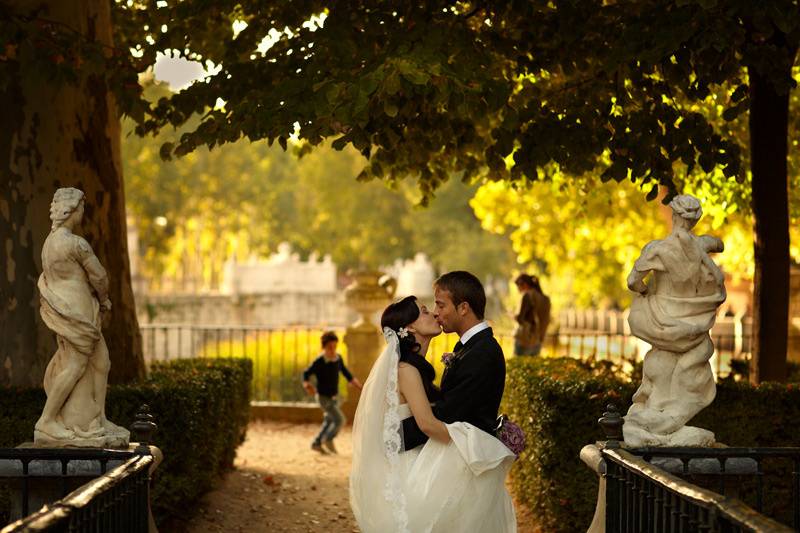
(455,482)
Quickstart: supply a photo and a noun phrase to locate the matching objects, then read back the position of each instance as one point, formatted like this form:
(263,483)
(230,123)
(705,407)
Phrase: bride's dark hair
(399,315)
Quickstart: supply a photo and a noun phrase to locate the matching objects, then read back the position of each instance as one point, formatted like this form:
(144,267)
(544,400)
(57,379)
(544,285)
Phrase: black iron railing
(641,497)
(24,465)
(117,501)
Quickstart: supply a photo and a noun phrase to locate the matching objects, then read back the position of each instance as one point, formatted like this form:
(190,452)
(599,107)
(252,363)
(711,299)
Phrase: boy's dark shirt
(472,387)
(327,373)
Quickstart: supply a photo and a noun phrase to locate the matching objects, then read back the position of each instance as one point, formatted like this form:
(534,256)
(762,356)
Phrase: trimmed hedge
(557,403)
(201,406)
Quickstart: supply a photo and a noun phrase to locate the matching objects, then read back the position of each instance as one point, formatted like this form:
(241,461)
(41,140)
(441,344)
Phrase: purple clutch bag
(511,435)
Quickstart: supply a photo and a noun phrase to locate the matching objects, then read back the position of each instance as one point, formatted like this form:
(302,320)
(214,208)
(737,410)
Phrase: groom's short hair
(464,287)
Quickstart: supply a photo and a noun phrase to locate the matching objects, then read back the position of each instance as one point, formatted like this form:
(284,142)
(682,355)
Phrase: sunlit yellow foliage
(582,236)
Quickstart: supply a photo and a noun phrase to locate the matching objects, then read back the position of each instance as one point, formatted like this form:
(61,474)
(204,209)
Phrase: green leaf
(706,163)
(332,94)
(166,151)
(732,112)
(740,92)
(785,21)
(392,84)
(413,73)
(390,109)
(618,171)
(340,143)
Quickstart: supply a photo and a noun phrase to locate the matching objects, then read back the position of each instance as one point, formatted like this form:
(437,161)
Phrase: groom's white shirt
(471,332)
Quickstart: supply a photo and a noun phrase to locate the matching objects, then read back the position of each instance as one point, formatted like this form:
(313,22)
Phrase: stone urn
(369,292)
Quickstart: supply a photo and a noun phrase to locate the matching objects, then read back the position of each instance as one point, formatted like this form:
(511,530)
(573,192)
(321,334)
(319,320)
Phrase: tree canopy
(507,91)
(426,89)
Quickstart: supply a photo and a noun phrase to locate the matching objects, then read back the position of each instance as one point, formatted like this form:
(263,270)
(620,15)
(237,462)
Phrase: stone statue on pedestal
(74,297)
(674,312)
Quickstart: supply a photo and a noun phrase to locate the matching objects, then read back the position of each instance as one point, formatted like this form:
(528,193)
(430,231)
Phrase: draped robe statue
(74,295)
(674,312)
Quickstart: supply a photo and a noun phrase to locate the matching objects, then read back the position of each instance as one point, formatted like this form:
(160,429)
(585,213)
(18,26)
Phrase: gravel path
(280,485)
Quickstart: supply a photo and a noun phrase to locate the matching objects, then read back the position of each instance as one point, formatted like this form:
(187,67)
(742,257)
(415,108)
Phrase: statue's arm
(98,278)
(648,260)
(712,244)
(636,280)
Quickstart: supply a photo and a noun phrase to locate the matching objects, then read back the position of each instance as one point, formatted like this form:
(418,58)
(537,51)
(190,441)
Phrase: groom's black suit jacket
(472,387)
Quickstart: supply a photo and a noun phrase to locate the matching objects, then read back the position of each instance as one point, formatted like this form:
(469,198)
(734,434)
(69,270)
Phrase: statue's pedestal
(735,466)
(706,472)
(46,481)
(686,436)
(111,440)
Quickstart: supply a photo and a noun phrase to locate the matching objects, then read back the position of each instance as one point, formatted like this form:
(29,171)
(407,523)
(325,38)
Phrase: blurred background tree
(242,199)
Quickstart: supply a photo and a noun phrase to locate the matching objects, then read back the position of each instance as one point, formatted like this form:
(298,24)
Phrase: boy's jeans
(333,419)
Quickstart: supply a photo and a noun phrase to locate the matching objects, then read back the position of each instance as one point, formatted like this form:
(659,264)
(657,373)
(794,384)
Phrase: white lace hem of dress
(392,442)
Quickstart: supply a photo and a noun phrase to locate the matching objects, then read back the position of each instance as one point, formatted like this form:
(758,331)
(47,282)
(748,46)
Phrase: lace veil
(376,492)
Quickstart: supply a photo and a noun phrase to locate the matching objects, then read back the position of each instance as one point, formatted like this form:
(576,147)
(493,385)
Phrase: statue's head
(67,202)
(686,210)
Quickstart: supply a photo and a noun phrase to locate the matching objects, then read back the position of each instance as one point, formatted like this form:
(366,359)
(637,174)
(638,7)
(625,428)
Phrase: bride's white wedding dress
(434,488)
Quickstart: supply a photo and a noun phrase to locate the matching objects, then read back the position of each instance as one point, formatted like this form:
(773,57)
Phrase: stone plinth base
(706,472)
(707,466)
(115,440)
(687,436)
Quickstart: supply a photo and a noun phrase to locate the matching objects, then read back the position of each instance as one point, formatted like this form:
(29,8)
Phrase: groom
(473,381)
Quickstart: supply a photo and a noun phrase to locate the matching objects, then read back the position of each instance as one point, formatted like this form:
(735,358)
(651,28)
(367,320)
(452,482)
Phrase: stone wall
(282,272)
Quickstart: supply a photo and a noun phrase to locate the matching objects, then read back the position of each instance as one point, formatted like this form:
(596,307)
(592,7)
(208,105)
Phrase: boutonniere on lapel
(448,358)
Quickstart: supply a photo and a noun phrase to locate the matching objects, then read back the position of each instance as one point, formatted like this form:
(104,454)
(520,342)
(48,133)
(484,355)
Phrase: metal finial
(143,428)
(612,422)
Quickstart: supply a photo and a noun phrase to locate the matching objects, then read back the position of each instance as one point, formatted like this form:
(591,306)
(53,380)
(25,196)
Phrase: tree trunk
(58,135)
(768,121)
